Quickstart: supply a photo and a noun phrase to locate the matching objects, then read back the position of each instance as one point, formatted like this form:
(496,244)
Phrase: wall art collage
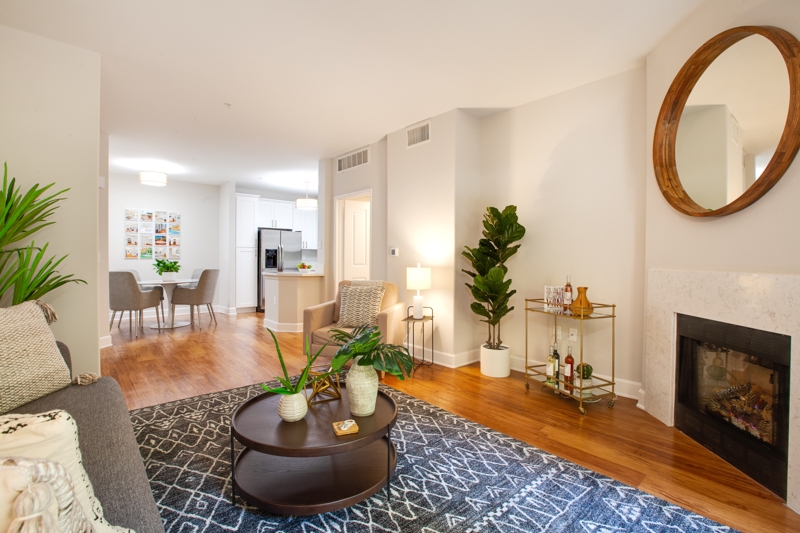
(151,234)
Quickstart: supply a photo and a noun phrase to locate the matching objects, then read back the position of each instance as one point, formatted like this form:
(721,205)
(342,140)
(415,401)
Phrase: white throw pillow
(38,494)
(54,436)
(30,364)
(360,305)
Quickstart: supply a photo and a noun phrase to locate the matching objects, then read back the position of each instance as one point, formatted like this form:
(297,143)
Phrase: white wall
(757,239)
(372,177)
(573,164)
(226,290)
(102,243)
(421,220)
(701,154)
(50,116)
(199,206)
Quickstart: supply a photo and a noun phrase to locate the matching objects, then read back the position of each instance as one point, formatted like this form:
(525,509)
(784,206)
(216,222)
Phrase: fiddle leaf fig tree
(26,269)
(501,229)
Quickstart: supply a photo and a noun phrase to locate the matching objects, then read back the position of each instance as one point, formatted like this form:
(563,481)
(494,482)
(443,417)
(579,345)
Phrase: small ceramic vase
(362,389)
(581,306)
(292,407)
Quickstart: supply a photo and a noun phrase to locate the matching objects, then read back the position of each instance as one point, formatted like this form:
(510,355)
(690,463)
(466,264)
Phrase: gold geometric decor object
(325,389)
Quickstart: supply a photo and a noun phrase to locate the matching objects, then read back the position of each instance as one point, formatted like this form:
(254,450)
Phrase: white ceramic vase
(495,363)
(362,389)
(292,407)
(168,276)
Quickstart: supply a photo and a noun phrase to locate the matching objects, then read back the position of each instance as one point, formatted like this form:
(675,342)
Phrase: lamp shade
(418,278)
(148,177)
(306,203)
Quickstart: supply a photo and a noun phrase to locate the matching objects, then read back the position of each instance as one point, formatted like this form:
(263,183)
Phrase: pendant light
(156,179)
(306,203)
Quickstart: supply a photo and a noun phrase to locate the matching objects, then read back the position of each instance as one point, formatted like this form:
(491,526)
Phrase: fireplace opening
(732,395)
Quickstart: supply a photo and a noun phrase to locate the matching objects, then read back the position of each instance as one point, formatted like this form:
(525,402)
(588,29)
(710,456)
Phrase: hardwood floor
(624,443)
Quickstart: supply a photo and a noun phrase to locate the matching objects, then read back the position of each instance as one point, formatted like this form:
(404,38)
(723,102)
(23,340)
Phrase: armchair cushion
(360,305)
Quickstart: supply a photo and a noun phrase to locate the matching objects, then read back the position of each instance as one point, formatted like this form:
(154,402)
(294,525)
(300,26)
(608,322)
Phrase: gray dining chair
(124,294)
(158,288)
(195,275)
(203,294)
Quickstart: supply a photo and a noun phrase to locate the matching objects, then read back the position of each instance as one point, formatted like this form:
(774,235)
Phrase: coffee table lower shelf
(313,485)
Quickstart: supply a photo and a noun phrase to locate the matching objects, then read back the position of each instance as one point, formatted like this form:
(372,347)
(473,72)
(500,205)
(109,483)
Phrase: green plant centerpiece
(363,346)
(162,266)
(489,287)
(26,270)
(292,405)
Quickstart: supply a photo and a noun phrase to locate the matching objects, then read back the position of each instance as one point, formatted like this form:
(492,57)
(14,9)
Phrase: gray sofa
(110,453)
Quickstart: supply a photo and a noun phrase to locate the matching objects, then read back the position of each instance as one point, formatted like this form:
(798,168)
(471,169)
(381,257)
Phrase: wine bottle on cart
(569,370)
(551,368)
(568,294)
(557,367)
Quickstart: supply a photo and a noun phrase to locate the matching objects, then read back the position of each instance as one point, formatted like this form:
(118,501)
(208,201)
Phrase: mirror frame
(664,160)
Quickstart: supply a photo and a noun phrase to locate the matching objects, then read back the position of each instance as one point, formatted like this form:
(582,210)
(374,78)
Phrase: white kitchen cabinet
(305,220)
(274,213)
(246,207)
(246,277)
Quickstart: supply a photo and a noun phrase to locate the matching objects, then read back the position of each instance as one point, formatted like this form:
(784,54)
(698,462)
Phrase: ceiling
(237,91)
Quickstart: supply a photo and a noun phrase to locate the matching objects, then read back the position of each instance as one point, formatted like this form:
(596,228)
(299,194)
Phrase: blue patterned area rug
(452,475)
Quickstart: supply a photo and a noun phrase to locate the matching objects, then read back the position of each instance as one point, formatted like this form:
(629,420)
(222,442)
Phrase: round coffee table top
(256,424)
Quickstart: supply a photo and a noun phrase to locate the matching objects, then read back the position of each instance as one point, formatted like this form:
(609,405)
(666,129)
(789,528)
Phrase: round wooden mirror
(751,185)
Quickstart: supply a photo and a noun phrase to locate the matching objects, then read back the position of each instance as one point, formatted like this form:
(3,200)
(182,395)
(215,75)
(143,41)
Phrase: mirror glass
(732,122)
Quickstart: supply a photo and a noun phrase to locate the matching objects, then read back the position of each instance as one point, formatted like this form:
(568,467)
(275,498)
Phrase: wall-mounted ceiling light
(148,177)
(306,203)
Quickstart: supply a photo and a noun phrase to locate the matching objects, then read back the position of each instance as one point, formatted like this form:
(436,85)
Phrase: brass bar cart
(533,372)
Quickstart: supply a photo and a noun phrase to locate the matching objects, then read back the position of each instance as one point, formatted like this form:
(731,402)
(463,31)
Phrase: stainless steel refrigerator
(278,250)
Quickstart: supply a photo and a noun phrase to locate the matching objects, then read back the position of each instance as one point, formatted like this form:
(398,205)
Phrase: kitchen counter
(296,273)
(285,295)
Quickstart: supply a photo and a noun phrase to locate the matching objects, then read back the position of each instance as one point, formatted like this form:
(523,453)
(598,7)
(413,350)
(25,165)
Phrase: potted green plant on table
(293,405)
(363,346)
(166,269)
(489,286)
(26,270)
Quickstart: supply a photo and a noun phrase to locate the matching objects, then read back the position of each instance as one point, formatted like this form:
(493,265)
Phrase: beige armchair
(320,319)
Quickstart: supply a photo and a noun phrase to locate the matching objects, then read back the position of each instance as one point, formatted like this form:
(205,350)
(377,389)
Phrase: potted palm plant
(489,287)
(363,346)
(26,270)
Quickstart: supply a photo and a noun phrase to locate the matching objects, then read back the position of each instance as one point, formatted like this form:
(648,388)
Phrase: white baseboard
(623,387)
(640,405)
(283,327)
(224,310)
(245,310)
(445,359)
(105,341)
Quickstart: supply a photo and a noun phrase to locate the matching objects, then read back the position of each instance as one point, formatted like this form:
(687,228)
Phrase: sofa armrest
(65,354)
(389,320)
(316,317)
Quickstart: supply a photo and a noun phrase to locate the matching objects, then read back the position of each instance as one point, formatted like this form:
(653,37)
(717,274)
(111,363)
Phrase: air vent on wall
(419,134)
(354,159)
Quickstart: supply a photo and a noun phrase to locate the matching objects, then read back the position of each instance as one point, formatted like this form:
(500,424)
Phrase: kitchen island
(285,295)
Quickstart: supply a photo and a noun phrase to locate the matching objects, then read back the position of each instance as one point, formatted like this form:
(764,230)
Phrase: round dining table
(169,287)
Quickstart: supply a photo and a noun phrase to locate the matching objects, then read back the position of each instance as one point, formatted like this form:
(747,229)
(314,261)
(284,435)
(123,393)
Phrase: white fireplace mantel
(769,302)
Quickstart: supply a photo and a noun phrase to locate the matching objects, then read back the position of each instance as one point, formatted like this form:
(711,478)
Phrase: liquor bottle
(551,368)
(568,294)
(569,370)
(557,367)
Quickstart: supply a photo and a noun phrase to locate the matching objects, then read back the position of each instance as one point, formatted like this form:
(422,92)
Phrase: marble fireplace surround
(769,302)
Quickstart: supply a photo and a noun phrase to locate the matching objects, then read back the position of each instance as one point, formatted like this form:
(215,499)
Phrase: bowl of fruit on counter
(304,267)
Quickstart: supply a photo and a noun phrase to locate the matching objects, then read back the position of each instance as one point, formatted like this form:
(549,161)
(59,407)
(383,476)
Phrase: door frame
(338,227)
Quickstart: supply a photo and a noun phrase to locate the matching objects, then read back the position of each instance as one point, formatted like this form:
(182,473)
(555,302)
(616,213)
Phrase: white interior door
(356,238)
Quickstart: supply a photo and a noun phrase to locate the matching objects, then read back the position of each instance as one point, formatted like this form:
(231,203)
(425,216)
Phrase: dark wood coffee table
(303,468)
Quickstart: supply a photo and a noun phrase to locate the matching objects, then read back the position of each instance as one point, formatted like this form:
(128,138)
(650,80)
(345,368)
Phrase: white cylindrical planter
(362,389)
(292,407)
(168,276)
(495,363)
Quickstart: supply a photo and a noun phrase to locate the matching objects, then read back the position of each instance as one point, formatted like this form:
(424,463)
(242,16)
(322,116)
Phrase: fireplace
(732,395)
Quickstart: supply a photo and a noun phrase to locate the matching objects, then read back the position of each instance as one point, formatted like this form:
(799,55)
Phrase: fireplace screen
(737,388)
(732,395)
